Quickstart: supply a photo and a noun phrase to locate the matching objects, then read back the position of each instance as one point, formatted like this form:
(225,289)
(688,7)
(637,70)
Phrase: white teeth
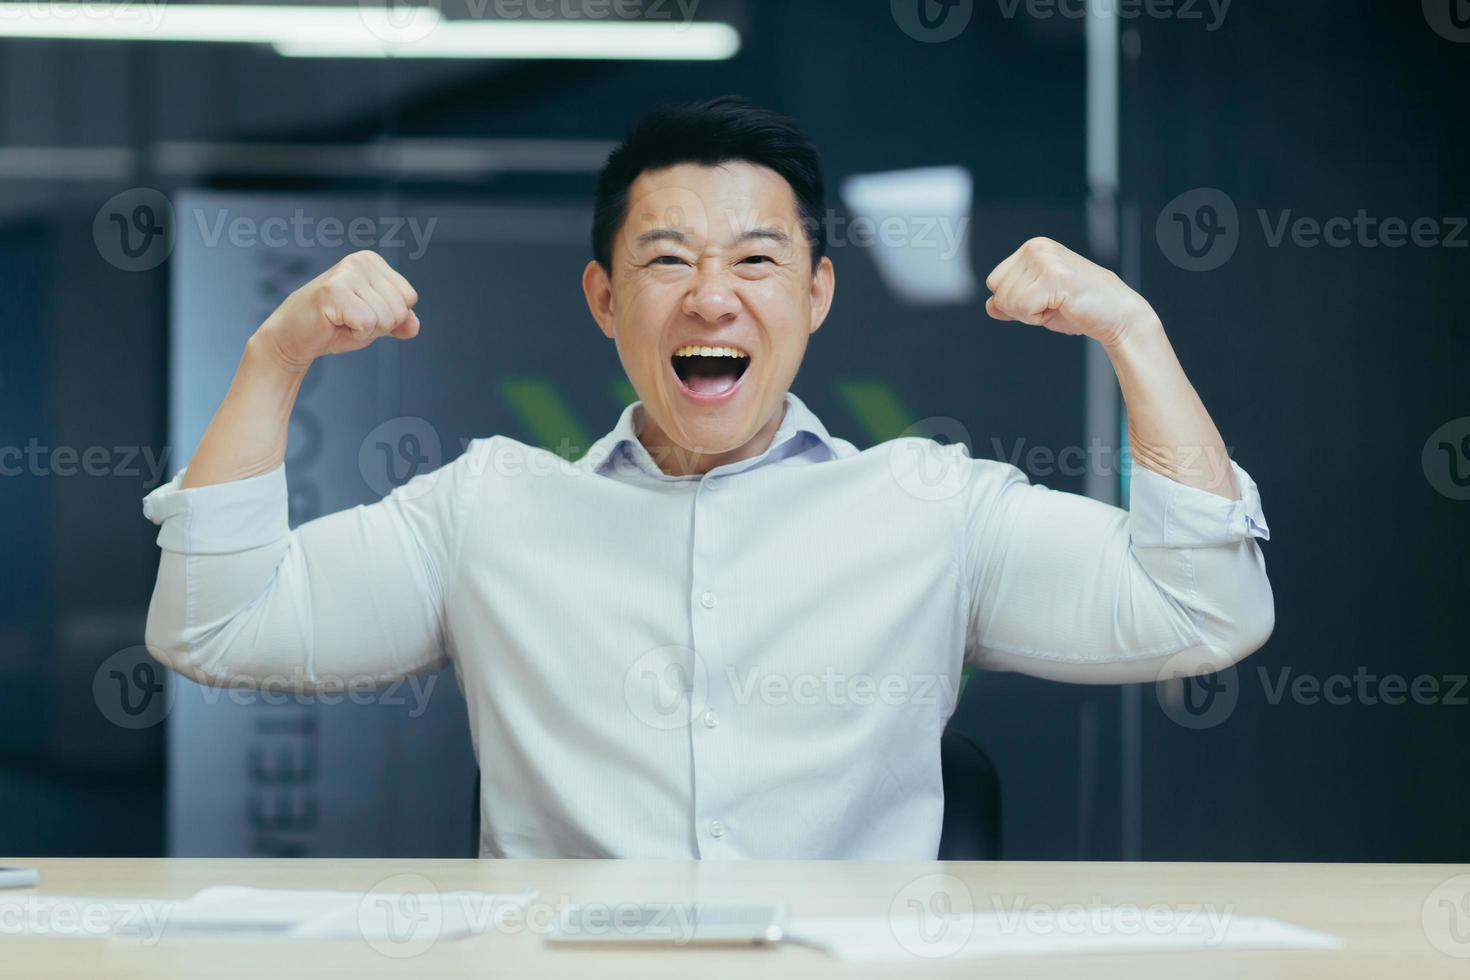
(694,350)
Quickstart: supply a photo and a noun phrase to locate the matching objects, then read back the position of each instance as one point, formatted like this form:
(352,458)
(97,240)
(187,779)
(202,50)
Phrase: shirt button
(711,719)
(707,600)
(711,483)
(716,829)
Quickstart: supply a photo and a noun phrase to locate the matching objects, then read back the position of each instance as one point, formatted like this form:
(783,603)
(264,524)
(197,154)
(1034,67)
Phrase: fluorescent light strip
(368,31)
(156,20)
(553,40)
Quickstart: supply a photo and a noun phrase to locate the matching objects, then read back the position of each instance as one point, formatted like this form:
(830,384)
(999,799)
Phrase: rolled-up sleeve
(351,599)
(1068,588)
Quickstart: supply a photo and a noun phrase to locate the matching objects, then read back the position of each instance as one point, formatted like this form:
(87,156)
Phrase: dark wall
(81,370)
(1326,369)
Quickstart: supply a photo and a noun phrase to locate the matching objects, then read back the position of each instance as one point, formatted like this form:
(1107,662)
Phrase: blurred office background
(1180,145)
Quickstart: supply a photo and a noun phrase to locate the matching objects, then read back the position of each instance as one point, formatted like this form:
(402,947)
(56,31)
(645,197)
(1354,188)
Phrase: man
(723,632)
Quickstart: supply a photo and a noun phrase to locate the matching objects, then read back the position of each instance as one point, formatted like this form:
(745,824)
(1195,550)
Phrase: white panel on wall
(251,774)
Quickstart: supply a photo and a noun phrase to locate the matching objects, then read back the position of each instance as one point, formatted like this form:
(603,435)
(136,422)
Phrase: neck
(676,460)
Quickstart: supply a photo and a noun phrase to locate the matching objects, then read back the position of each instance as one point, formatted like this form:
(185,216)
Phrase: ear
(597,287)
(824,285)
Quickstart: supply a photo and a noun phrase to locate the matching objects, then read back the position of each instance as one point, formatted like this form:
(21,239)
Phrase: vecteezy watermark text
(32,914)
(404,916)
(1096,917)
(137,230)
(839,688)
(36,459)
(1207,700)
(1211,13)
(131,690)
(1200,230)
(642,10)
(301,230)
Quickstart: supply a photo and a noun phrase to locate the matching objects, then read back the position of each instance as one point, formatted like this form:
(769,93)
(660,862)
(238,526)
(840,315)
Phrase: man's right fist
(344,309)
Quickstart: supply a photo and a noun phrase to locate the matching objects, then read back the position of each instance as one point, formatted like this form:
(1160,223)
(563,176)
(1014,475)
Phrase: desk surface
(1396,919)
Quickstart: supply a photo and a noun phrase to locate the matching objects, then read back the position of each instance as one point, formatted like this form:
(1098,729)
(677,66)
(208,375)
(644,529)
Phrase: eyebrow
(663,235)
(679,238)
(770,234)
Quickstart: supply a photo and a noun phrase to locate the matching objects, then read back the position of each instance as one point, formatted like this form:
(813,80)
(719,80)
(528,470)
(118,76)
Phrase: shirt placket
(708,725)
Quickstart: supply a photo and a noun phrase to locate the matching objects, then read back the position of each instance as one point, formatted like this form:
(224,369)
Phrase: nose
(711,297)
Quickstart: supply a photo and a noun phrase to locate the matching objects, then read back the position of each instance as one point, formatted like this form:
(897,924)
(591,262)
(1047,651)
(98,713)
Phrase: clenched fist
(344,309)
(1046,284)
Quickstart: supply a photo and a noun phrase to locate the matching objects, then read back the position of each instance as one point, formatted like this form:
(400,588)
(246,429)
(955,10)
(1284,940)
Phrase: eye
(759,259)
(667,260)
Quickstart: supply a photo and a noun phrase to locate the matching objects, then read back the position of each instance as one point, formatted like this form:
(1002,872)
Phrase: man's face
(710,300)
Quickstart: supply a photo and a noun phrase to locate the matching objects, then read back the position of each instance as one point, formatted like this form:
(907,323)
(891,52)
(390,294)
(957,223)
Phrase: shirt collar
(799,427)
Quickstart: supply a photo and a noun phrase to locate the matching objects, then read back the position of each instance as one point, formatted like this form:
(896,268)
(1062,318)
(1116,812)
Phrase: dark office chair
(971,830)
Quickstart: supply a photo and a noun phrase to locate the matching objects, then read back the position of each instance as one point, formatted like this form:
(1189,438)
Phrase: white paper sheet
(1091,930)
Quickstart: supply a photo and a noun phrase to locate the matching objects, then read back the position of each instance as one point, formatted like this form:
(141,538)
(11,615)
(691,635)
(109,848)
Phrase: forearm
(1070,588)
(247,435)
(1169,429)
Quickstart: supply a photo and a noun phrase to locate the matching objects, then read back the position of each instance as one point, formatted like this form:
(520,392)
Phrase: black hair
(710,133)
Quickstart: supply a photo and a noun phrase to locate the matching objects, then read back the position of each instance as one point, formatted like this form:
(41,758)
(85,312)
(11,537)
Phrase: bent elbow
(1263,627)
(165,641)
(166,632)
(1251,627)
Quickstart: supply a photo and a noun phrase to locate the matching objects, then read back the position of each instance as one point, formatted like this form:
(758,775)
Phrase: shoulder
(498,457)
(929,469)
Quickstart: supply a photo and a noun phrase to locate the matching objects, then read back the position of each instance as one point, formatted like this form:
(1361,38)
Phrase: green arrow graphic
(877,408)
(548,416)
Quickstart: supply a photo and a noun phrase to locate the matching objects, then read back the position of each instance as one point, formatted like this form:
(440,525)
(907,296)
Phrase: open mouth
(710,371)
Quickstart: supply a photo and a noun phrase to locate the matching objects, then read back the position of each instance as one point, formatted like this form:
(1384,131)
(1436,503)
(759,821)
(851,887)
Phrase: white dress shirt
(758,662)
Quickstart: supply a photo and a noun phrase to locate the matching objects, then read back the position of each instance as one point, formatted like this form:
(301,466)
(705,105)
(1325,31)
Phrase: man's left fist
(1049,285)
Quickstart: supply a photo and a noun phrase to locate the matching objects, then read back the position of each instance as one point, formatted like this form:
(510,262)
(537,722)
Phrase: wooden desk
(1380,910)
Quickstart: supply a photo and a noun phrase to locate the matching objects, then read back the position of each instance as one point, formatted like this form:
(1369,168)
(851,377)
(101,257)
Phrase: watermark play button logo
(1195,697)
(402,916)
(398,451)
(1446,917)
(932,21)
(933,916)
(1450,19)
(134,230)
(400,21)
(667,687)
(1446,459)
(1199,230)
(130,689)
